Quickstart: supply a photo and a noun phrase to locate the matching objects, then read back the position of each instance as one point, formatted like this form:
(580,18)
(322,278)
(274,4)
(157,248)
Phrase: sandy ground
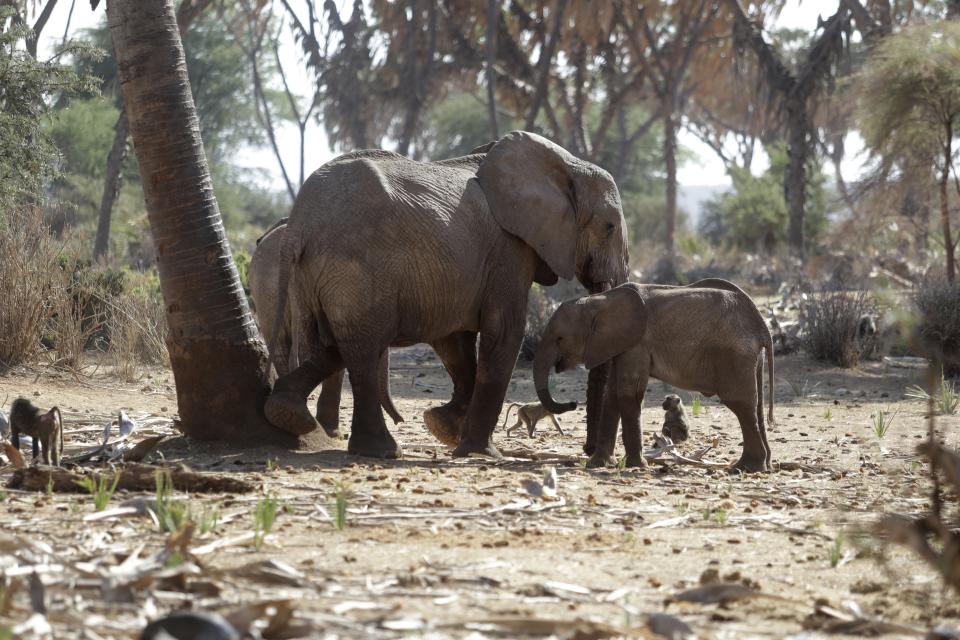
(436,547)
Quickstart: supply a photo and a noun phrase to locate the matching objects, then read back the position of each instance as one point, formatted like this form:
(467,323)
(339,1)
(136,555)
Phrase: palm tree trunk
(111,184)
(219,361)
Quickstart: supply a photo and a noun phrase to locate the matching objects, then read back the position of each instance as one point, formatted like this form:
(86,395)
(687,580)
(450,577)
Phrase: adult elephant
(383,251)
(264,276)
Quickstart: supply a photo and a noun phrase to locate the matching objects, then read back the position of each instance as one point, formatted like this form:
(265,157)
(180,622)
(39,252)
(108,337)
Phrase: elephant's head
(589,331)
(566,209)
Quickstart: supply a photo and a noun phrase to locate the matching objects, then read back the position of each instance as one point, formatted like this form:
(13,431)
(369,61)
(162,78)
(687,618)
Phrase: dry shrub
(832,323)
(31,283)
(938,326)
(138,332)
(539,310)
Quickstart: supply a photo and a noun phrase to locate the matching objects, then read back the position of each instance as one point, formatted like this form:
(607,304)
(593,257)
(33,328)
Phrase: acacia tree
(793,94)
(219,362)
(672,34)
(910,111)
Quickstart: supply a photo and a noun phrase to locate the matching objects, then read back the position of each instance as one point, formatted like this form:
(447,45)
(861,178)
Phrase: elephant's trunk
(596,388)
(545,359)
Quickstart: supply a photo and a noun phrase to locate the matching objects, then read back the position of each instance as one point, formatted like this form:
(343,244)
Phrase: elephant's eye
(610,228)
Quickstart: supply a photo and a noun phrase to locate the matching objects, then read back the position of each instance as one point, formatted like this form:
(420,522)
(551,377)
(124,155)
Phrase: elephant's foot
(376,444)
(589,448)
(750,464)
(444,423)
(599,460)
(468,446)
(330,424)
(636,461)
(288,411)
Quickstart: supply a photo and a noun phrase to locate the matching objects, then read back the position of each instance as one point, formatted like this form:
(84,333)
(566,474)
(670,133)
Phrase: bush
(833,325)
(938,327)
(32,285)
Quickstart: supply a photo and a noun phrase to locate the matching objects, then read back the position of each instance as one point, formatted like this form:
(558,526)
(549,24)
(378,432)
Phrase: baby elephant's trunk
(545,359)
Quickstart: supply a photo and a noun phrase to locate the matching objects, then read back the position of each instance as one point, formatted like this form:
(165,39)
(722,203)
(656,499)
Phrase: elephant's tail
(386,400)
(768,347)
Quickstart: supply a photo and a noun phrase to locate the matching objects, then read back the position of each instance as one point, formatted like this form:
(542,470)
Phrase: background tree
(794,95)
(910,111)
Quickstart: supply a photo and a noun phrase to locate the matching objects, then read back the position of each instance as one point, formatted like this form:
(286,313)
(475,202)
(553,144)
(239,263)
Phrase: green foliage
(28,89)
(457,125)
(697,406)
(910,91)
(835,552)
(264,515)
(171,515)
(83,132)
(945,397)
(881,421)
(101,491)
(341,497)
(753,216)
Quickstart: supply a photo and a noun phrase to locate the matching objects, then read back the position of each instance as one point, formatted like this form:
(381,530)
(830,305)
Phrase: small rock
(841,392)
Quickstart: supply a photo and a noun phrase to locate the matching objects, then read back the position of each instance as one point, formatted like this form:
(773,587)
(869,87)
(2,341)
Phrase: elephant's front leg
(458,352)
(596,392)
(606,434)
(286,408)
(328,404)
(368,431)
(497,357)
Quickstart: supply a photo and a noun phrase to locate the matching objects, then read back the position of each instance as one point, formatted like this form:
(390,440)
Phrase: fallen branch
(133,477)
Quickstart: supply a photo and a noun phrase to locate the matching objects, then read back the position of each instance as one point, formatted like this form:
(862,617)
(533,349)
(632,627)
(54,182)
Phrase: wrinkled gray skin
(708,337)
(385,251)
(264,275)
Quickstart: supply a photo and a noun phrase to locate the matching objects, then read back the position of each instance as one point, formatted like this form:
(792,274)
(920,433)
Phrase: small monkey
(529,415)
(46,429)
(675,419)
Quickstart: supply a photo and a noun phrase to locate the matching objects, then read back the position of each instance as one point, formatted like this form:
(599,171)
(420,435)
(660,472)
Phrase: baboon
(529,415)
(46,429)
(675,419)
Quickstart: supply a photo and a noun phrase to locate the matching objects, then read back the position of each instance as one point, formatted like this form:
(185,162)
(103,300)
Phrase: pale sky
(704,169)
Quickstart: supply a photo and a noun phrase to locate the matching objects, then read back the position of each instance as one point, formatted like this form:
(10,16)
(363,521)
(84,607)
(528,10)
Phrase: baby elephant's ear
(618,324)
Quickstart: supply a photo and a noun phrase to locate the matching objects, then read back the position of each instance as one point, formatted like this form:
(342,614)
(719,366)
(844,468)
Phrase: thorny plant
(931,536)
(801,388)
(101,491)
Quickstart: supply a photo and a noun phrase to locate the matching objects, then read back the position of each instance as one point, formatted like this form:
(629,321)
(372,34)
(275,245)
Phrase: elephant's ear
(618,324)
(527,182)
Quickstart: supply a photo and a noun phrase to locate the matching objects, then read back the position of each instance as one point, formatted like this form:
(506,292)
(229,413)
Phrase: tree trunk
(794,186)
(670,165)
(111,184)
(945,208)
(219,361)
(493,17)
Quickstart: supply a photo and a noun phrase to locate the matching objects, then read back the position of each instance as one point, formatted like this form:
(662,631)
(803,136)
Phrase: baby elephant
(708,337)
(674,419)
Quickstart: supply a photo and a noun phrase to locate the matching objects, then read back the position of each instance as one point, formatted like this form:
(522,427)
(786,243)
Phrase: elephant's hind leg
(368,432)
(286,408)
(458,352)
(328,404)
(755,453)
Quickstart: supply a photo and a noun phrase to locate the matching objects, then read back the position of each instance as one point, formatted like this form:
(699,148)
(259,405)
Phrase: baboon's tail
(506,416)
